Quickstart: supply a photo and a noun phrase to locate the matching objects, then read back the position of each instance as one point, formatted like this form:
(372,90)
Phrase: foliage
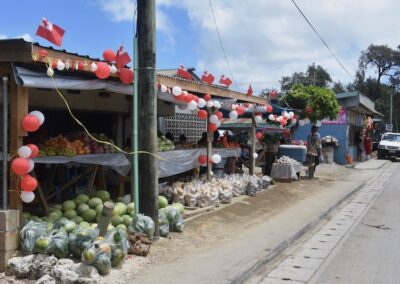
(322,102)
(314,76)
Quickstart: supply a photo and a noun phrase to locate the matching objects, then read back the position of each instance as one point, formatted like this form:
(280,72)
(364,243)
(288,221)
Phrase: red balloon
(43,53)
(188,98)
(126,76)
(28,183)
(109,55)
(181,97)
(30,123)
(202,159)
(212,127)
(246,104)
(202,114)
(34,149)
(283,122)
(259,135)
(207,97)
(240,110)
(219,114)
(102,71)
(195,98)
(81,66)
(20,166)
(269,108)
(54,64)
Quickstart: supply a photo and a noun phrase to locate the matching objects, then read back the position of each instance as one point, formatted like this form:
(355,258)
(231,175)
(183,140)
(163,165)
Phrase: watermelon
(103,195)
(82,208)
(93,202)
(89,215)
(162,202)
(81,198)
(68,205)
(70,214)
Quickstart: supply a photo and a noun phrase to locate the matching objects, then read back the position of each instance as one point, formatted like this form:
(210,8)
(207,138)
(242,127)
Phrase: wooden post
(210,139)
(253,146)
(105,217)
(18,109)
(148,174)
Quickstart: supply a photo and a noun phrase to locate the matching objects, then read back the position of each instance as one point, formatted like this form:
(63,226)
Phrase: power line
(320,37)
(222,46)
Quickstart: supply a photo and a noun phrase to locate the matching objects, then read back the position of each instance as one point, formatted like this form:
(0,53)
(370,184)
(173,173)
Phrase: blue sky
(264,39)
(90,30)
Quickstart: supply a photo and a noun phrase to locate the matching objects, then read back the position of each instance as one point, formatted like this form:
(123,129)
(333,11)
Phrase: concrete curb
(245,275)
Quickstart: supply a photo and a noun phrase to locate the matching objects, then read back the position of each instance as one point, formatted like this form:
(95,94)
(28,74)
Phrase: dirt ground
(209,230)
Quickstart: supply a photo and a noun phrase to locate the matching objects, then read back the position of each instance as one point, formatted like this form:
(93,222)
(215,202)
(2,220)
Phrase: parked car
(389,146)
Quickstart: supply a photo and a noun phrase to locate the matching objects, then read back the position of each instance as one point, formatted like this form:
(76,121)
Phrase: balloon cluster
(202,159)
(23,164)
(286,119)
(102,70)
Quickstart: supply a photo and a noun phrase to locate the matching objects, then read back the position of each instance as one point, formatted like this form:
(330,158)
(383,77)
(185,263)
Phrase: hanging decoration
(20,166)
(207,97)
(24,152)
(28,183)
(163,88)
(39,115)
(212,127)
(233,114)
(202,159)
(216,158)
(109,55)
(259,135)
(213,118)
(176,91)
(34,151)
(27,196)
(126,76)
(258,118)
(192,105)
(202,114)
(201,103)
(102,71)
(30,123)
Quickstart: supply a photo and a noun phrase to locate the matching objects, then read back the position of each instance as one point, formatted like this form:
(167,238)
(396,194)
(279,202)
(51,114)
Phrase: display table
(180,161)
(286,172)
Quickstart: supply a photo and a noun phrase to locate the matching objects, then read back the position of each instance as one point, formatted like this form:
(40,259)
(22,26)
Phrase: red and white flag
(50,32)
(250,91)
(182,72)
(207,78)
(122,57)
(225,81)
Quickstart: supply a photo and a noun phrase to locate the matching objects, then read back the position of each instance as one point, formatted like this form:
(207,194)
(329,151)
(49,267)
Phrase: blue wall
(339,131)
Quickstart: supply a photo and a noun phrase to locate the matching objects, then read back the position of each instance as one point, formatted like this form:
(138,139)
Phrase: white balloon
(279,118)
(271,117)
(113,69)
(27,196)
(24,152)
(213,118)
(31,165)
(301,122)
(67,65)
(234,106)
(176,91)
(258,118)
(217,104)
(210,104)
(280,126)
(60,65)
(284,112)
(163,88)
(318,123)
(291,114)
(233,114)
(307,120)
(192,105)
(93,67)
(39,115)
(50,72)
(185,92)
(218,123)
(202,103)
(255,155)
(294,121)
(216,158)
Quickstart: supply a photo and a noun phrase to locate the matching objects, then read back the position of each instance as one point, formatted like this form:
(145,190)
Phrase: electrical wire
(222,46)
(323,41)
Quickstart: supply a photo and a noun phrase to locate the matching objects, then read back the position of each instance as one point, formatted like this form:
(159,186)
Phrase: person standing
(314,145)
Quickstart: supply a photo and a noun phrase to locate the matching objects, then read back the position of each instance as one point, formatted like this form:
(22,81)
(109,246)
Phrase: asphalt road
(371,253)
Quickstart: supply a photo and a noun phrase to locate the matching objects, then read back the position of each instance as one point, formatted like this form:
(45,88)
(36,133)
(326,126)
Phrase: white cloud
(265,40)
(25,36)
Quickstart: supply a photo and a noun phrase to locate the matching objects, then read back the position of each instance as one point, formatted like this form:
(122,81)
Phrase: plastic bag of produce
(175,220)
(30,233)
(98,254)
(142,224)
(208,195)
(191,194)
(163,223)
(118,241)
(178,192)
(80,239)
(266,181)
(251,188)
(58,243)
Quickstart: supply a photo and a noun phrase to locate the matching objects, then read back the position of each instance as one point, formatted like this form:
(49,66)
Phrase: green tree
(338,87)
(321,102)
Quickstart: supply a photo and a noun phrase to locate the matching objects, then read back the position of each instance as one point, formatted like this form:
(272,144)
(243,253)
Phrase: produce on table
(116,220)
(130,208)
(119,209)
(103,195)
(94,201)
(165,144)
(68,205)
(77,143)
(81,198)
(89,215)
(70,214)
(82,208)
(126,219)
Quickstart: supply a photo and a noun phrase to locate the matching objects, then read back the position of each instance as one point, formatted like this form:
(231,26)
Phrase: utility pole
(391,107)
(147,102)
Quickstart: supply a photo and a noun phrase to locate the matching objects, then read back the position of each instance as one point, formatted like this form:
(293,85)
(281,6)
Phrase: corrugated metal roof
(346,95)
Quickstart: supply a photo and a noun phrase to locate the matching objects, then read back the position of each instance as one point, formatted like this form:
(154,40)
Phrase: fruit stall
(59,163)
